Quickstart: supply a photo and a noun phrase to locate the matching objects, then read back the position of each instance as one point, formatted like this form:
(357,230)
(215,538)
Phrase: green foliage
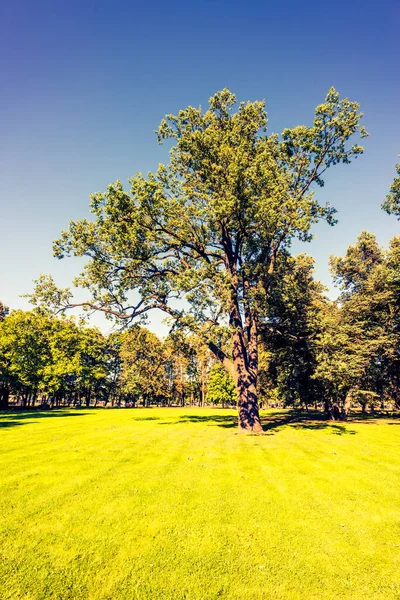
(40,353)
(143,361)
(351,272)
(221,387)
(47,296)
(24,348)
(312,350)
(69,363)
(392,202)
(292,322)
(358,349)
(214,228)
(211,226)
(230,199)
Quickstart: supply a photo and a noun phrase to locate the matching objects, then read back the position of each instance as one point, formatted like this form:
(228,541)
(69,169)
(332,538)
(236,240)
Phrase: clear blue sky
(85,83)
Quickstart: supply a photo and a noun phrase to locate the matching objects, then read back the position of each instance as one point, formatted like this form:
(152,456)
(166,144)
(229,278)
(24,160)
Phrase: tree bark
(244,370)
(346,406)
(329,409)
(4,397)
(249,417)
(245,362)
(88,396)
(248,413)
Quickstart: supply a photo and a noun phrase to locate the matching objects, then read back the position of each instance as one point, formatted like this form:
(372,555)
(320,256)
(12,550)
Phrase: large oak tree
(209,227)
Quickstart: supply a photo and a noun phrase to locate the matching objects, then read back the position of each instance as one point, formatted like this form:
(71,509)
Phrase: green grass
(174,504)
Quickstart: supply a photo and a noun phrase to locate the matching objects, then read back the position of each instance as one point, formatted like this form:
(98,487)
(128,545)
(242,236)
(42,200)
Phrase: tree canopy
(210,226)
(392,202)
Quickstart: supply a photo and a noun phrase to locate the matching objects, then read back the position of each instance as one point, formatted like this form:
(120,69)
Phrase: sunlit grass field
(175,504)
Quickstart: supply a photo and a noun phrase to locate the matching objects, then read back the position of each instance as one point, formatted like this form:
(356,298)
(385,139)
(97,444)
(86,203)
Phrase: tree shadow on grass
(375,417)
(17,418)
(226,421)
(312,421)
(146,418)
(271,424)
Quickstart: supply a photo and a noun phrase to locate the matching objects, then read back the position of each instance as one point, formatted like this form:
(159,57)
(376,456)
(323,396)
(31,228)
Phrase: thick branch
(222,357)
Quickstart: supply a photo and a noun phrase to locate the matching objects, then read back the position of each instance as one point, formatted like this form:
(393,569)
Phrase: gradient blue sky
(84,84)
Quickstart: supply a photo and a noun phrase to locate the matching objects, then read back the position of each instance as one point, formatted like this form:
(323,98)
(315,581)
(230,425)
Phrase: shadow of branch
(17,418)
(272,423)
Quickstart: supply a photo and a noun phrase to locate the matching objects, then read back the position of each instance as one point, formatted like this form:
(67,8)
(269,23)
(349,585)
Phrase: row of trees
(313,351)
(50,361)
(206,239)
(344,352)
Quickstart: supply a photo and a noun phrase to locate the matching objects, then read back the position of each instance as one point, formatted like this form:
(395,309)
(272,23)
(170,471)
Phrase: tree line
(335,355)
(206,239)
(51,362)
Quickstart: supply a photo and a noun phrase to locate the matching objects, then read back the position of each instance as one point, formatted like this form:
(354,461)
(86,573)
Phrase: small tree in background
(392,202)
(143,361)
(221,387)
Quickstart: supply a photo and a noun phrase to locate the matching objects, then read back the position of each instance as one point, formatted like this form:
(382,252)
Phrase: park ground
(174,504)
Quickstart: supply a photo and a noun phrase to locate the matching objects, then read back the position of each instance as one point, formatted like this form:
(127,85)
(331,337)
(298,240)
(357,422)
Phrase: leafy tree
(352,272)
(7,381)
(188,365)
(25,351)
(392,202)
(61,373)
(77,363)
(391,286)
(201,360)
(341,361)
(181,366)
(114,367)
(210,226)
(93,366)
(358,349)
(293,321)
(143,365)
(221,387)
(40,353)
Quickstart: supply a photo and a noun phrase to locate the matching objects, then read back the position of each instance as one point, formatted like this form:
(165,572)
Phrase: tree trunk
(329,410)
(246,384)
(4,397)
(346,406)
(245,361)
(249,418)
(244,370)
(336,411)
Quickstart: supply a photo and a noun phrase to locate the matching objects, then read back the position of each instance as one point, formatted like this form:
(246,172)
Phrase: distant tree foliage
(392,202)
(293,321)
(358,349)
(50,361)
(221,387)
(314,352)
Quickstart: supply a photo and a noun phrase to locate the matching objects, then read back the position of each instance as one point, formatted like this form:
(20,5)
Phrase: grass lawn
(174,504)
